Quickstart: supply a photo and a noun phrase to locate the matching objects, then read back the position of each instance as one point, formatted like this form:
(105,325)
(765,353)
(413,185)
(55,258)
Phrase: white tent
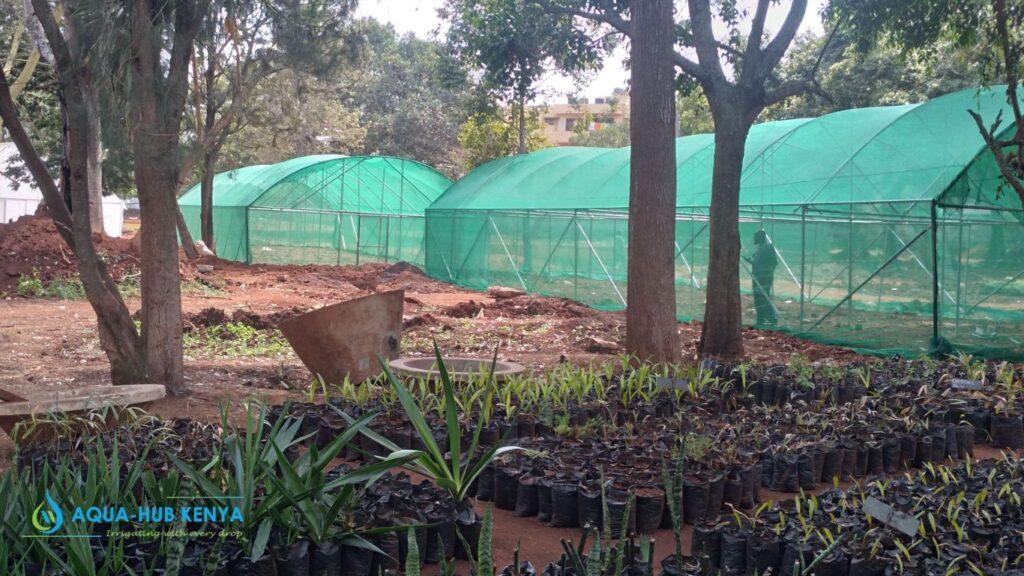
(16,198)
(19,198)
(113,215)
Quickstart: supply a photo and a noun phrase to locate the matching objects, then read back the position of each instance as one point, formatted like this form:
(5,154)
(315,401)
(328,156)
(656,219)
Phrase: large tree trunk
(651,328)
(206,199)
(117,334)
(722,335)
(157,103)
(161,282)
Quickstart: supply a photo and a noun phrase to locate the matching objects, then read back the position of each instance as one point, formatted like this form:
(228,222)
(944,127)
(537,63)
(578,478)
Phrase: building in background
(562,121)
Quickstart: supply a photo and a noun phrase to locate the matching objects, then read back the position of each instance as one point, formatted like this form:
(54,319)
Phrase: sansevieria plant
(455,470)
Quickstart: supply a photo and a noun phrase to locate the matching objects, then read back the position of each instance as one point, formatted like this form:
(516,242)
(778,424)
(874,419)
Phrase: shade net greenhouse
(324,209)
(890,227)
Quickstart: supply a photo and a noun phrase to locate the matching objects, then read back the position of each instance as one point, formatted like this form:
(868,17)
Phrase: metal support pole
(576,260)
(935,270)
(959,267)
(803,260)
(849,269)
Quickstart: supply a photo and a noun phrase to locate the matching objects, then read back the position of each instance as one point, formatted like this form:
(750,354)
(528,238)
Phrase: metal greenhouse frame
(325,209)
(890,226)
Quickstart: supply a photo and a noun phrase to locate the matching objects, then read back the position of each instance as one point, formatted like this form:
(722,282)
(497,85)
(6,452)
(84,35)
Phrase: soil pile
(32,243)
(210,317)
(398,276)
(525,306)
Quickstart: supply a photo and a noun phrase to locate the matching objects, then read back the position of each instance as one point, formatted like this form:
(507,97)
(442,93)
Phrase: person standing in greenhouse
(762,272)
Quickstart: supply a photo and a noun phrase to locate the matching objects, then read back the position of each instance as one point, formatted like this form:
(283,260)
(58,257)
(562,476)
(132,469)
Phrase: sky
(420,18)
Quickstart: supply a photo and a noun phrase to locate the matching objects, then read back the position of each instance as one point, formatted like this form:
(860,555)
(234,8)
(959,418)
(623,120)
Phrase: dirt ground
(51,343)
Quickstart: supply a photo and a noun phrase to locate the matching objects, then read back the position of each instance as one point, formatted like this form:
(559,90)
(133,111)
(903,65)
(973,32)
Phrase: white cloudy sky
(420,18)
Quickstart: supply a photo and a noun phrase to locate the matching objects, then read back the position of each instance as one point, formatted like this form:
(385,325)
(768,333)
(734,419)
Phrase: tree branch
(51,195)
(624,27)
(753,52)
(1004,162)
(791,88)
(776,49)
(704,41)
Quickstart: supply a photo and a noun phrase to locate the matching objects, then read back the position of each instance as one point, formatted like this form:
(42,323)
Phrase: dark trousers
(763,302)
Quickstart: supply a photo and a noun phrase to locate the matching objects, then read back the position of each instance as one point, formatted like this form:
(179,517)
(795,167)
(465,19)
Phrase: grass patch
(33,286)
(236,340)
(196,287)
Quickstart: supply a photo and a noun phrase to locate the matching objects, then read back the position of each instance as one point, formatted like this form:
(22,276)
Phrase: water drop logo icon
(47,521)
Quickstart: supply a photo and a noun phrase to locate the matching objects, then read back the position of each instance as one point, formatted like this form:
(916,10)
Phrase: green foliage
(235,339)
(514,43)
(611,136)
(456,469)
(486,136)
(881,75)
(693,113)
(293,114)
(34,286)
(402,96)
(412,554)
(412,96)
(485,550)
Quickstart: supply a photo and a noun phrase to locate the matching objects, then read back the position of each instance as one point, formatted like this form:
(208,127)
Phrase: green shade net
(847,200)
(324,209)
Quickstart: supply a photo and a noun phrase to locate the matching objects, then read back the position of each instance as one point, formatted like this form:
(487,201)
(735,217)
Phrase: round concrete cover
(459,368)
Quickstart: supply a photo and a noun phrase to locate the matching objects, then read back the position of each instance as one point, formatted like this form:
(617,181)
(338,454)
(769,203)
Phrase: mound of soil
(526,306)
(467,309)
(398,276)
(32,243)
(209,317)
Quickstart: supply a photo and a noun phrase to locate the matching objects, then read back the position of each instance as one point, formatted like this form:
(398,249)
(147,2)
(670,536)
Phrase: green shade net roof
(890,154)
(374,184)
(291,210)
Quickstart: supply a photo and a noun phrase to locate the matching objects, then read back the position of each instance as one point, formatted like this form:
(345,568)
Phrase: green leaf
(259,543)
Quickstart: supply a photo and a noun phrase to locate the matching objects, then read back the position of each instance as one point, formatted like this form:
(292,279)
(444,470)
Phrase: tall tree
(241,44)
(293,114)
(71,26)
(117,334)
(413,95)
(489,135)
(736,99)
(515,44)
(989,27)
(652,332)
(162,37)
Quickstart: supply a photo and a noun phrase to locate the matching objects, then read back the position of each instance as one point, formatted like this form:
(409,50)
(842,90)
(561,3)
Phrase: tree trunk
(161,282)
(188,244)
(117,334)
(722,335)
(522,123)
(159,87)
(93,152)
(206,200)
(651,327)
(94,157)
